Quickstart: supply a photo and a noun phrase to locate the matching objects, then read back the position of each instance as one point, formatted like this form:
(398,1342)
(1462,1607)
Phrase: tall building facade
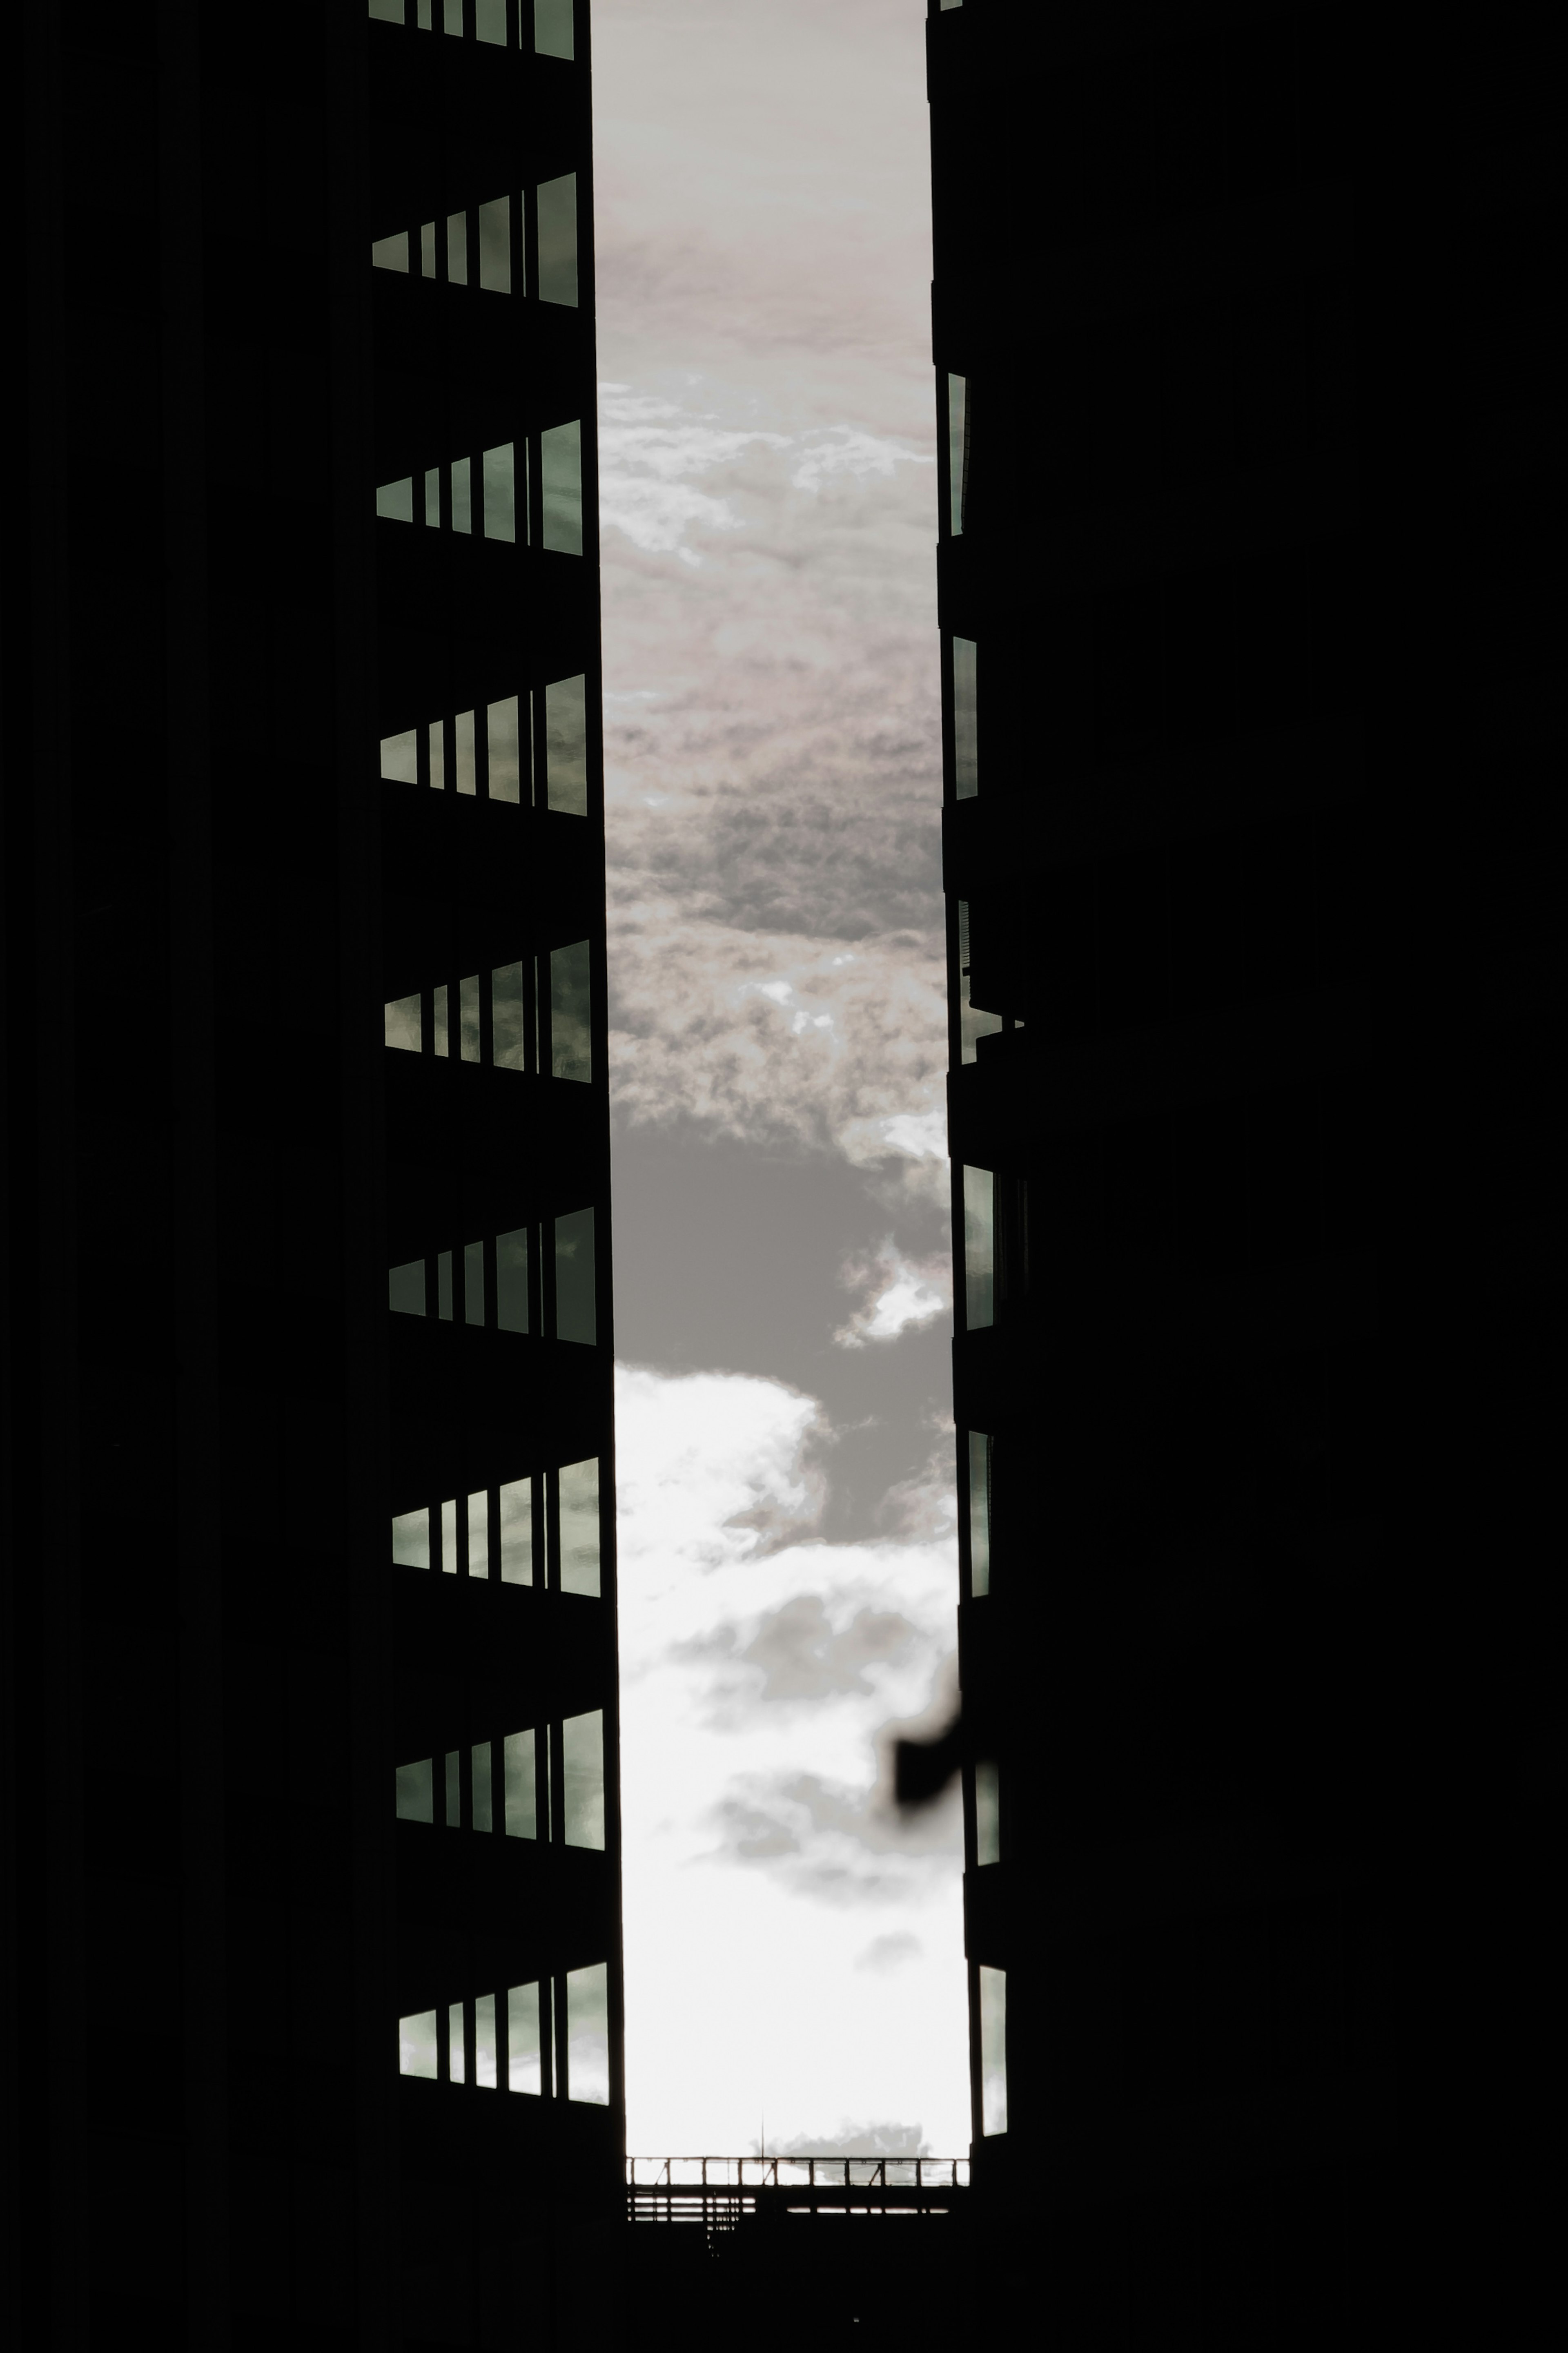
(314,2030)
(1166,875)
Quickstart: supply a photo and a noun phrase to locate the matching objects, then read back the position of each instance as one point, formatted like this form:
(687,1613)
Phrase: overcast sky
(778,1045)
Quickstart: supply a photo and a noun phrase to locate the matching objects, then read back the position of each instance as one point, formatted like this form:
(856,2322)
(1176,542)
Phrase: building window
(556,202)
(588,2035)
(958,407)
(979,1249)
(992,2051)
(987,1814)
(979,1514)
(972,1025)
(965,719)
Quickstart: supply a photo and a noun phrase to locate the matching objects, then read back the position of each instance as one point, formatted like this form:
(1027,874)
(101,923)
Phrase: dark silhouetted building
(1252,689)
(314,1912)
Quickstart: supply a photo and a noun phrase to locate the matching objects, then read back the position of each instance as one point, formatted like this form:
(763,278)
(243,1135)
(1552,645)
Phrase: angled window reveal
(417,1791)
(578,1486)
(576,1316)
(494,221)
(571,1022)
(557,216)
(524,2044)
(582,1779)
(561,487)
(979,1249)
(566,746)
(958,426)
(987,1814)
(588,2035)
(416,2051)
(972,1025)
(980,1460)
(965,720)
(992,2051)
(553,28)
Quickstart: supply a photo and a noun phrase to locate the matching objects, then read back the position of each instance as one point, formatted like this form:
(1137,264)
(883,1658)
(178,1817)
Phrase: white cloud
(896,1295)
(763,1675)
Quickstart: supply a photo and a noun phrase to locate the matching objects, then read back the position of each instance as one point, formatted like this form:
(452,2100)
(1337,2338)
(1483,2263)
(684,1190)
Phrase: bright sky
(787,1563)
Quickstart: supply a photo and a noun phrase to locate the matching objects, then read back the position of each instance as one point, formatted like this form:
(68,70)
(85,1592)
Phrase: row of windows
(502,750)
(501,1281)
(504,2040)
(443,498)
(487,245)
(535,1014)
(497,1785)
(542,26)
(542,1530)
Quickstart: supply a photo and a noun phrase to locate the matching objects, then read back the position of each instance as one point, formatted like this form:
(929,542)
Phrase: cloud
(885,2139)
(884,1954)
(765,1675)
(898,1295)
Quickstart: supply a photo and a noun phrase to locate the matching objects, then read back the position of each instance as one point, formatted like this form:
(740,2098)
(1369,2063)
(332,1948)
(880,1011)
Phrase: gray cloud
(798,1654)
(883,2139)
(885,1954)
(839,1845)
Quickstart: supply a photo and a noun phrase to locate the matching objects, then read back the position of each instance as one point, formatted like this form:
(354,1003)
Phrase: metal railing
(722,2192)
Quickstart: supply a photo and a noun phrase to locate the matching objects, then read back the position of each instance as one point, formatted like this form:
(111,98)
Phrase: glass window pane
(417,1791)
(410,1539)
(457,248)
(489,22)
(566,746)
(517,1532)
(405,1029)
(433,498)
(522,1808)
(437,732)
(480,1534)
(405,1288)
(511,1282)
(495,244)
(578,1491)
(558,243)
(972,1025)
(417,2044)
(452,1785)
(571,1031)
(456,2072)
(462,505)
(583,1777)
(479,1757)
(992,2051)
(506,1017)
(522,2067)
(467,780)
(561,480)
(394,501)
(389,11)
(484,2042)
(390,252)
(440,1019)
(987,1815)
(469,1017)
(444,1286)
(576,1315)
(501,505)
(427,249)
(588,2035)
(965,723)
(552,27)
(400,758)
(453,16)
(449,1538)
(957,449)
(979,1249)
(979,1514)
(502,750)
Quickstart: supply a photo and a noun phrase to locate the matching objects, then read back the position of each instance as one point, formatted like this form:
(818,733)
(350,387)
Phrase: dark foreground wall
(1252,622)
(312,2008)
